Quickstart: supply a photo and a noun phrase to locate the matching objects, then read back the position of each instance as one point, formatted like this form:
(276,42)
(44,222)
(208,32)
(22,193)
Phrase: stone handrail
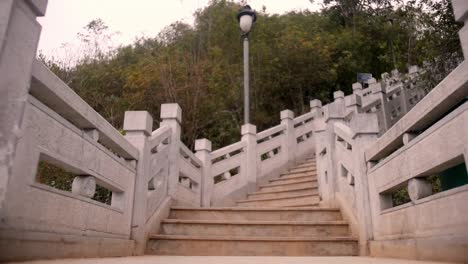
(303,119)
(162,135)
(448,93)
(368,107)
(220,153)
(225,175)
(189,177)
(53,92)
(231,159)
(269,133)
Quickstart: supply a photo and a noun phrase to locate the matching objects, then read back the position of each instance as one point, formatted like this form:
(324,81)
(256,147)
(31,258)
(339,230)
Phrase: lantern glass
(246,23)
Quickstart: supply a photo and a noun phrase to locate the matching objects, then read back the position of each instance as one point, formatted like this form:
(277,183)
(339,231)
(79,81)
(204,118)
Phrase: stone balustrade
(394,138)
(368,145)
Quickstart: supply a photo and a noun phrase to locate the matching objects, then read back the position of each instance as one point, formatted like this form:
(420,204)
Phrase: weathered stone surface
(460,10)
(136,121)
(84,186)
(171,111)
(419,188)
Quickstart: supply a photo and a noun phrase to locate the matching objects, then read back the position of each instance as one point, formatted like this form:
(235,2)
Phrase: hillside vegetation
(295,57)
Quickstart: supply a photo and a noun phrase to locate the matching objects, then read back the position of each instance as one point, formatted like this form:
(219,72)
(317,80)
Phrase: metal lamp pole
(246,81)
(246,18)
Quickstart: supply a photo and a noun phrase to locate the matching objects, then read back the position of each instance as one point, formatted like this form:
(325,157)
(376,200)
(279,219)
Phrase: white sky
(131,18)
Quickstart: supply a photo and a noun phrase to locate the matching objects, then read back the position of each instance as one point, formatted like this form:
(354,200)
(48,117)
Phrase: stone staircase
(282,218)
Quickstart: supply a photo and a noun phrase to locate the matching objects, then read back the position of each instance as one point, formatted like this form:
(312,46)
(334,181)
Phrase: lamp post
(246,18)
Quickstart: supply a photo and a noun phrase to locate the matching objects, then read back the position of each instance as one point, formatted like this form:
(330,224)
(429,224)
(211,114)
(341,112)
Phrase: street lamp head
(246,18)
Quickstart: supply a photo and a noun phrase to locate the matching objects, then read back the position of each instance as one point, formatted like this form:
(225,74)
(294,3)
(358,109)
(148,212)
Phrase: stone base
(450,248)
(19,246)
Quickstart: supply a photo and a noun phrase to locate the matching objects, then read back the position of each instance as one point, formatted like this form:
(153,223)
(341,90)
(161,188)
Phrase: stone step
(308,160)
(295,175)
(254,228)
(299,170)
(305,206)
(305,172)
(282,194)
(251,246)
(306,165)
(256,214)
(297,200)
(293,179)
(288,186)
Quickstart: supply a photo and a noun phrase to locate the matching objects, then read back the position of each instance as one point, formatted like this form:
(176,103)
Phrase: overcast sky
(131,18)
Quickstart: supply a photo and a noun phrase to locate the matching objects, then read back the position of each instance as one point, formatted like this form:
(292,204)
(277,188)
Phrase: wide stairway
(282,218)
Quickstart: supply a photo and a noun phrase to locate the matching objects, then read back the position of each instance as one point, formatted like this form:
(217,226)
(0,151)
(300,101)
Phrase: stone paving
(232,260)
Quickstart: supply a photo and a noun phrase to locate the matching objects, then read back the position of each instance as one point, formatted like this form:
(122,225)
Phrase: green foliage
(54,176)
(400,197)
(294,58)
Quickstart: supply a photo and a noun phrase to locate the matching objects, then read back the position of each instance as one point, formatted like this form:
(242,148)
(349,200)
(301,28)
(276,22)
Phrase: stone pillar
(366,130)
(171,115)
(357,88)
(203,152)
(460,10)
(250,158)
(384,117)
(289,140)
(318,130)
(333,112)
(339,97)
(138,126)
(316,108)
(353,103)
(19,36)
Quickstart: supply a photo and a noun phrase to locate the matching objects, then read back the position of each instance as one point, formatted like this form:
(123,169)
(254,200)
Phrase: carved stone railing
(367,176)
(235,170)
(63,135)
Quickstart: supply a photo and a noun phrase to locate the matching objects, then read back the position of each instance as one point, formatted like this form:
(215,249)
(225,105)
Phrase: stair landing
(230,260)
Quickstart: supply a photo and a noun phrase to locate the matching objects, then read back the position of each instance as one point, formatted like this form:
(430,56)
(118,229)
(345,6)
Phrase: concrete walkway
(231,260)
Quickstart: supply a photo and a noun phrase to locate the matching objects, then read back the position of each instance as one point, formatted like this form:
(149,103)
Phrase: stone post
(138,126)
(339,98)
(366,130)
(171,115)
(460,10)
(353,103)
(203,152)
(319,128)
(289,140)
(19,36)
(333,112)
(404,96)
(250,157)
(316,108)
(385,113)
(357,88)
